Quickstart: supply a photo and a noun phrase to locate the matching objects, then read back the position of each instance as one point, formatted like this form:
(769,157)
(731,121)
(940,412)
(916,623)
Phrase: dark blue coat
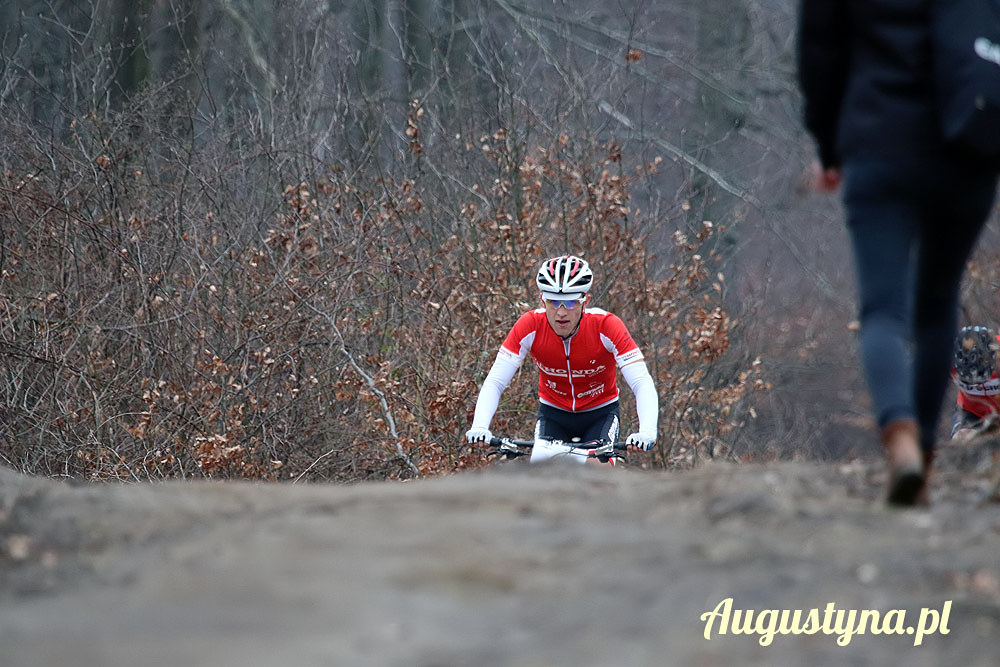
(865,75)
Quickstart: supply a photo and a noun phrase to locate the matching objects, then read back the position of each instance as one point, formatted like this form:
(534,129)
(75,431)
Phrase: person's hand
(963,435)
(824,180)
(478,434)
(988,424)
(639,441)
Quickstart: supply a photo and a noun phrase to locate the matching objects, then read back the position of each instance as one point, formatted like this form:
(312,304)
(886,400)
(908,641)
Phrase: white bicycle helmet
(564,275)
(976,355)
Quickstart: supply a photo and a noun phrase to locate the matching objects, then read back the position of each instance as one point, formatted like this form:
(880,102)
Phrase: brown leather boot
(901,440)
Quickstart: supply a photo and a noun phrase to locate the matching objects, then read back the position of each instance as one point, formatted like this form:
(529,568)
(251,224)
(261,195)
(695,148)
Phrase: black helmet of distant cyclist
(975,354)
(565,275)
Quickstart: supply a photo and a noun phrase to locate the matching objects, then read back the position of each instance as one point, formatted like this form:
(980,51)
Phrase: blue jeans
(913,225)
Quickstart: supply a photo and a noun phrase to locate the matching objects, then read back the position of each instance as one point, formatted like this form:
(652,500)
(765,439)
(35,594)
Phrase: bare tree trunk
(420,33)
(255,22)
(723,40)
(34,34)
(130,59)
(175,44)
(175,56)
(369,30)
(8,13)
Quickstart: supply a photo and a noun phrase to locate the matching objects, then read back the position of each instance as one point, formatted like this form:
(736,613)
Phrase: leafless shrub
(189,290)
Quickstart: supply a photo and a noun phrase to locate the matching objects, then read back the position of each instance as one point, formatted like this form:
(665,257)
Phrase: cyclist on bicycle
(577,351)
(975,374)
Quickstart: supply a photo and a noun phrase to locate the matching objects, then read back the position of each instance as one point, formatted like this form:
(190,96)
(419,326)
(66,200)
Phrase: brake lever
(509,451)
(605,452)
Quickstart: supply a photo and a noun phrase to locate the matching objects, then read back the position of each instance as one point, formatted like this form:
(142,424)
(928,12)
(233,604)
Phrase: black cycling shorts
(600,424)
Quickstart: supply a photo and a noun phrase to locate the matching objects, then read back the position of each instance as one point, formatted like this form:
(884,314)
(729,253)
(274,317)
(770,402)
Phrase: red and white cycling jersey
(981,400)
(579,373)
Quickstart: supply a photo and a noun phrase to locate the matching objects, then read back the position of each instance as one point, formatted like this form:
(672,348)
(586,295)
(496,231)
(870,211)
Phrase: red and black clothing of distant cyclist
(974,372)
(578,352)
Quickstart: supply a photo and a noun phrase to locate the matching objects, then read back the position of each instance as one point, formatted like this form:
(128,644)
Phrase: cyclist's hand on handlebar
(478,434)
(640,441)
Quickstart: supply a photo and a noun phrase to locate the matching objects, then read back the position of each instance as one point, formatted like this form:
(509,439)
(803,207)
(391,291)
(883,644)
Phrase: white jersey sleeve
(647,403)
(496,381)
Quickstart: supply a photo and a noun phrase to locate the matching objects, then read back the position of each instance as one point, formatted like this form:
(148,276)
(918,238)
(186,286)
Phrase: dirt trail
(529,566)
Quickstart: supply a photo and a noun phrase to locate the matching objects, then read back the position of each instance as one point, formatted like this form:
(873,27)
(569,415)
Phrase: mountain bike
(602,450)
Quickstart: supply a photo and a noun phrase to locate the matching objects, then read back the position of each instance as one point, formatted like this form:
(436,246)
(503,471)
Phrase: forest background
(284,240)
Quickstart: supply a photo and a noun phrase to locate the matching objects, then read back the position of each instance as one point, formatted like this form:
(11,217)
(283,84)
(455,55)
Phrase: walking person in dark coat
(914,209)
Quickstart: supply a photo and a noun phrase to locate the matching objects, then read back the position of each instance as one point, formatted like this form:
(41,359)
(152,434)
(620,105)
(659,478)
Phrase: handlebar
(509,448)
(596,449)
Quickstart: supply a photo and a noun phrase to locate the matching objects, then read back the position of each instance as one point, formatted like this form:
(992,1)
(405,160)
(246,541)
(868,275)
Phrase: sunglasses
(568,304)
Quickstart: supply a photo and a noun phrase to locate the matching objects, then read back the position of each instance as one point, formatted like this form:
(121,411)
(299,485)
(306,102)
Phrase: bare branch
(371,384)
(719,179)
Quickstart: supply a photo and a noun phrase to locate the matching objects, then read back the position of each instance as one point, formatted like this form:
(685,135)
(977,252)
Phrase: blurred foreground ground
(517,566)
